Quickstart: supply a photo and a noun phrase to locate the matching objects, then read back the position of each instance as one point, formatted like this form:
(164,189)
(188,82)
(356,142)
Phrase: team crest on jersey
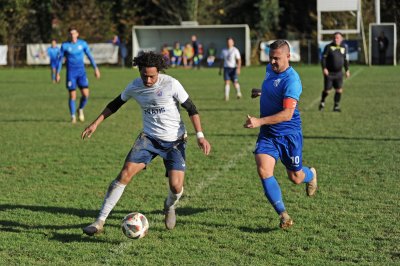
(276,82)
(159,93)
(80,47)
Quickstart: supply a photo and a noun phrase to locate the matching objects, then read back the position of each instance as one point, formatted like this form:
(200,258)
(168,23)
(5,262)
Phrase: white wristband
(199,135)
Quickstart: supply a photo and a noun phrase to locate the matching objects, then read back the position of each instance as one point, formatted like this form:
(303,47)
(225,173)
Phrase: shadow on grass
(258,230)
(20,228)
(51,209)
(36,120)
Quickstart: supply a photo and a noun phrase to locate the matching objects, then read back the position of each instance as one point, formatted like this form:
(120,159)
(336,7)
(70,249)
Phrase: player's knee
(126,174)
(264,172)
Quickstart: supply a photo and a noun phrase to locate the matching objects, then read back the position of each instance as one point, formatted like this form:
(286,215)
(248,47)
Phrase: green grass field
(52,183)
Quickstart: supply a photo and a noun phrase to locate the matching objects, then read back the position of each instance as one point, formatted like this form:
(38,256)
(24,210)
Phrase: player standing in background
(280,133)
(74,50)
(231,60)
(53,52)
(334,58)
(164,134)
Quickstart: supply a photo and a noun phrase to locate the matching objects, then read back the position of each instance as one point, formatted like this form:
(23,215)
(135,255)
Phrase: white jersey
(230,56)
(160,106)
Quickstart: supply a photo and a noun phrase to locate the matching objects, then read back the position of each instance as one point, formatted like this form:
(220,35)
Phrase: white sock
(173,199)
(227,89)
(237,86)
(114,193)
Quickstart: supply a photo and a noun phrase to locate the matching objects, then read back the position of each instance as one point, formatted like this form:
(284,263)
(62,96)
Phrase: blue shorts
(230,74)
(287,148)
(146,149)
(54,64)
(77,79)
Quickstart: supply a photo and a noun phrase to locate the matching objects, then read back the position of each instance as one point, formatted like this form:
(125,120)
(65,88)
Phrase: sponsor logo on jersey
(276,82)
(154,111)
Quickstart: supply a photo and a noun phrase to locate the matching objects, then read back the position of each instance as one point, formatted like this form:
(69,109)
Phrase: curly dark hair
(150,59)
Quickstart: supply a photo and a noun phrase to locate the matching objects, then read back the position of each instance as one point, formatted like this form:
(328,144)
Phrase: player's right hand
(255,93)
(87,133)
(97,73)
(326,72)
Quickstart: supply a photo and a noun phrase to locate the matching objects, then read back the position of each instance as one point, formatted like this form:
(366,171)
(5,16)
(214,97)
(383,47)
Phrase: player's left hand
(87,133)
(204,145)
(238,71)
(348,74)
(97,73)
(252,122)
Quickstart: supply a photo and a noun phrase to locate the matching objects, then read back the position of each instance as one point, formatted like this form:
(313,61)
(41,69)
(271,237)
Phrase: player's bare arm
(239,64)
(285,115)
(203,143)
(195,118)
(97,72)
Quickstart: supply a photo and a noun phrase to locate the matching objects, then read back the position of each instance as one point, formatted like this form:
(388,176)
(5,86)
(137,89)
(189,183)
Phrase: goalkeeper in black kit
(334,58)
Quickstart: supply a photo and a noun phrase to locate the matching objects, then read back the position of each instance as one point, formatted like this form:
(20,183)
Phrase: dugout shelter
(152,38)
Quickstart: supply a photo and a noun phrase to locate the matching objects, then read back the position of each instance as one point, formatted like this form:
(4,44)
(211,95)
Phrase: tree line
(39,21)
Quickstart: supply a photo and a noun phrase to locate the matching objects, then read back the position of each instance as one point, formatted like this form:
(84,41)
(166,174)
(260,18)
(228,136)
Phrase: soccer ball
(135,225)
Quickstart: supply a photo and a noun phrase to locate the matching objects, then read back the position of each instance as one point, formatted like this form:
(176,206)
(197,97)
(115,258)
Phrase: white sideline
(316,100)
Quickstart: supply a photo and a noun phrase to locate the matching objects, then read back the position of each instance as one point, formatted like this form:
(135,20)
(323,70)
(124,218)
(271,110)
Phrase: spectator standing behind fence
(74,50)
(383,44)
(196,54)
(53,52)
(176,57)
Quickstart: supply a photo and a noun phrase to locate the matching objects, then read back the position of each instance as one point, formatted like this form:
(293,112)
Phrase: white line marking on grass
(207,181)
(316,100)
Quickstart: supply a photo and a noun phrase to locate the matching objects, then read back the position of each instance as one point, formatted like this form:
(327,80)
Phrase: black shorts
(334,79)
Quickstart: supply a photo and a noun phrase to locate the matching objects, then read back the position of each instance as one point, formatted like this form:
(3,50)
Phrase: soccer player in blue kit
(280,133)
(53,52)
(74,51)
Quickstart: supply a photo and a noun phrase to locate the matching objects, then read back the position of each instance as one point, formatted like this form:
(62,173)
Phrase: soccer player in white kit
(232,62)
(164,134)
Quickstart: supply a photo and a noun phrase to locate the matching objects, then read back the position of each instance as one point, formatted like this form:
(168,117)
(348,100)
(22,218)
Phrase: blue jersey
(53,53)
(275,88)
(74,54)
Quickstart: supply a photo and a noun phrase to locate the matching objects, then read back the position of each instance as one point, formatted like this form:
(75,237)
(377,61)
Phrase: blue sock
(83,102)
(72,107)
(309,175)
(273,193)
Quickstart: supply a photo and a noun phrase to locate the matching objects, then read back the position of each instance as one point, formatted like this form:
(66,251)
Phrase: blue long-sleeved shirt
(74,55)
